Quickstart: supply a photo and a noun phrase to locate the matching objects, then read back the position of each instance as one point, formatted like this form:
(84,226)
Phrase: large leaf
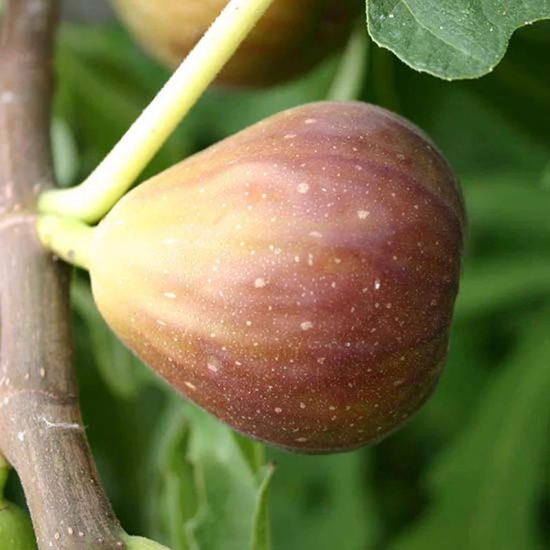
(213,484)
(450,38)
(488,483)
(230,492)
(172,499)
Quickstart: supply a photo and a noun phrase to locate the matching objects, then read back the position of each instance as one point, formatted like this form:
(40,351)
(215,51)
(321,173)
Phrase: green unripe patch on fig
(290,39)
(296,280)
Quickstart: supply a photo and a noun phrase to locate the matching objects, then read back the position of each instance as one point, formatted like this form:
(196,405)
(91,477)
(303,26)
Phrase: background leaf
(210,494)
(450,38)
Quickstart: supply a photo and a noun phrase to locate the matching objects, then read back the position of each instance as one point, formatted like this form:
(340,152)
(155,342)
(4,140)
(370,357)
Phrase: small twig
(41,431)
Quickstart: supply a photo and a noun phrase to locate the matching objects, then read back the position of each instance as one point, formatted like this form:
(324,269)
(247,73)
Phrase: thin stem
(67,238)
(91,200)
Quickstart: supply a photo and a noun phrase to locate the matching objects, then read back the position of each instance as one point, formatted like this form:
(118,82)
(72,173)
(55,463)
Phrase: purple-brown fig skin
(296,280)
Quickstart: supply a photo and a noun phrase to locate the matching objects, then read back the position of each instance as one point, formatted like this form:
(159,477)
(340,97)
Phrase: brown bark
(41,431)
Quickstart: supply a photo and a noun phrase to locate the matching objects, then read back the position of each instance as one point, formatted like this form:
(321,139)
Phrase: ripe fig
(297,279)
(289,40)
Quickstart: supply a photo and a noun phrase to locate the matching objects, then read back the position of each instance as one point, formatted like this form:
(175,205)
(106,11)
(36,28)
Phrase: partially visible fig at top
(291,38)
(296,280)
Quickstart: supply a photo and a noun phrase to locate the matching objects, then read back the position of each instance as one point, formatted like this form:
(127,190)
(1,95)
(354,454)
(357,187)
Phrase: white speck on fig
(213,364)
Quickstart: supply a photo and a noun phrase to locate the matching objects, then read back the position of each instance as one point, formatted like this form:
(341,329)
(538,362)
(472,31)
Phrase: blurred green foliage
(471,471)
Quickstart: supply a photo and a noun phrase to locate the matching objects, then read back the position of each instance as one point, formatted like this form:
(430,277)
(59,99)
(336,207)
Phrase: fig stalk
(68,238)
(91,200)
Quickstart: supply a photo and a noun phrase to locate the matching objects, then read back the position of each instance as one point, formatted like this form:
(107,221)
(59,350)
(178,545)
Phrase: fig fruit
(297,279)
(290,39)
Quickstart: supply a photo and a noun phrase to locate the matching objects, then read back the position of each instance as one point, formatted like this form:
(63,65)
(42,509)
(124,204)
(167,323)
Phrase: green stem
(4,473)
(91,200)
(68,238)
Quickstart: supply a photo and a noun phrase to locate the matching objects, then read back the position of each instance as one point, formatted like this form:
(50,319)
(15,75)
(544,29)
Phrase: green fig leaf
(212,490)
(487,484)
(450,39)
(261,523)
(174,499)
(230,492)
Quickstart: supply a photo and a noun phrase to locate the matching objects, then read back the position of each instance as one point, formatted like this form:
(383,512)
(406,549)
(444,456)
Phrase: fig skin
(297,279)
(291,38)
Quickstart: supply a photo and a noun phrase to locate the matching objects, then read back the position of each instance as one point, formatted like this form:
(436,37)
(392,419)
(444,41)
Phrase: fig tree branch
(41,431)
